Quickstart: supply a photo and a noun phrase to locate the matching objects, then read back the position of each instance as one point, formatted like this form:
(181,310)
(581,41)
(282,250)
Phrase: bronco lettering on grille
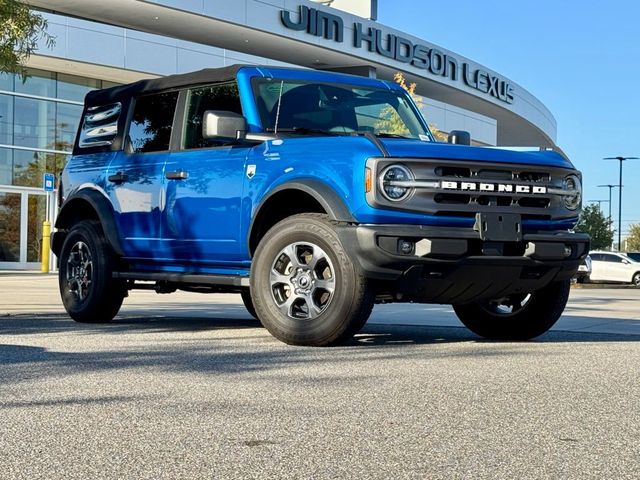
(492,187)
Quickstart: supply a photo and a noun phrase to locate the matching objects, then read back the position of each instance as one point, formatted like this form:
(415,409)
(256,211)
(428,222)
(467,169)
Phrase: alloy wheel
(302,280)
(79,271)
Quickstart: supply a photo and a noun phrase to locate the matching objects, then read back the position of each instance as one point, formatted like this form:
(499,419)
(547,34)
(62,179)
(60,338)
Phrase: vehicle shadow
(222,345)
(234,318)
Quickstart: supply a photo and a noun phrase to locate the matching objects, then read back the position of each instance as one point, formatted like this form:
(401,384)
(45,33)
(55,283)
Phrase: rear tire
(305,287)
(530,315)
(89,293)
(636,279)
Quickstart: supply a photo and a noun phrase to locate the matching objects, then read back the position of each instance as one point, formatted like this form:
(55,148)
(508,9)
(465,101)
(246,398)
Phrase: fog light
(405,247)
(568,250)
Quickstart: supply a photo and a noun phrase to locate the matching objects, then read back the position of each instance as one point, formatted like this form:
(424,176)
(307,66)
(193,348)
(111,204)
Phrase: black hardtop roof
(123,92)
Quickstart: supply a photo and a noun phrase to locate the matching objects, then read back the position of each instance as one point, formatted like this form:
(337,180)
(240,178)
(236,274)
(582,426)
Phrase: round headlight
(572,183)
(390,182)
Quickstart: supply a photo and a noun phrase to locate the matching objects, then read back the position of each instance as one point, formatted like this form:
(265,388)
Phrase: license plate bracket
(499,227)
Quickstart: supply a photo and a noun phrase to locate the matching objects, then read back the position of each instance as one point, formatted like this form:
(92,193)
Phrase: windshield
(293,105)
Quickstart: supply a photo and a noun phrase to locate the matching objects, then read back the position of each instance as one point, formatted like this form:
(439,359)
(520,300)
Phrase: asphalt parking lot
(189,386)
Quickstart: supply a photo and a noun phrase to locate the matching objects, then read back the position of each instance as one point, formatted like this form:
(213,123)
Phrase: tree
(633,239)
(593,222)
(20,31)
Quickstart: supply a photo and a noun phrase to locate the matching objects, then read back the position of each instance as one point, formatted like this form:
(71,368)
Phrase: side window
(150,129)
(595,256)
(612,258)
(99,125)
(199,100)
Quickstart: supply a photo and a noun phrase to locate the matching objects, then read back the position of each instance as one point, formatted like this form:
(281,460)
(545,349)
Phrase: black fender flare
(103,209)
(326,196)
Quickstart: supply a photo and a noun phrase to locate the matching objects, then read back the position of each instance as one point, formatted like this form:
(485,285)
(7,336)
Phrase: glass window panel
(218,97)
(67,119)
(6,119)
(38,82)
(71,87)
(37,211)
(54,163)
(150,129)
(6,81)
(34,123)
(28,167)
(9,227)
(6,166)
(100,125)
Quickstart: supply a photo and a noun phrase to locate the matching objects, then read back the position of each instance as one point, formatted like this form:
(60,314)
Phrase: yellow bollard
(46,234)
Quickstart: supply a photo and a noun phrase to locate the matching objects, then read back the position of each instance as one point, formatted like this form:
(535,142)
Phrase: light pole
(620,159)
(610,187)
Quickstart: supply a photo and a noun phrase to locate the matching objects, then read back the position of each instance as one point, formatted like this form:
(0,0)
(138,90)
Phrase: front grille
(479,175)
(455,172)
(464,188)
(534,177)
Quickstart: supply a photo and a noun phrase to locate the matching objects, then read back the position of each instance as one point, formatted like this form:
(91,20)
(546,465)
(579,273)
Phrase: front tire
(89,293)
(245,294)
(517,317)
(305,287)
(636,279)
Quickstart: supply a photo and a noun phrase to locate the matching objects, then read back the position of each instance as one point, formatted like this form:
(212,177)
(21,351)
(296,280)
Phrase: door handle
(117,178)
(181,175)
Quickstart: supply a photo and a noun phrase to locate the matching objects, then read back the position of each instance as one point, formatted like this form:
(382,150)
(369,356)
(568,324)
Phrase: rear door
(136,175)
(204,184)
(598,267)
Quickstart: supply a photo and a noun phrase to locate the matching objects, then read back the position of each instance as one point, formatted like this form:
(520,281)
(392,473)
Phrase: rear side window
(150,129)
(99,125)
(216,97)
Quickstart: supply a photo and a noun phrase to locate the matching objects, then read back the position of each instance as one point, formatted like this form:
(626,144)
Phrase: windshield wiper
(303,131)
(390,135)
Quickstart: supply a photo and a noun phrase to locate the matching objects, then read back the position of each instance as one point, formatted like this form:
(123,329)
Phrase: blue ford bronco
(314,195)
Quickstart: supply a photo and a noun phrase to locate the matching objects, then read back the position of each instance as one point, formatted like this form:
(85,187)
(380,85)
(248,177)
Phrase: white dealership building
(102,43)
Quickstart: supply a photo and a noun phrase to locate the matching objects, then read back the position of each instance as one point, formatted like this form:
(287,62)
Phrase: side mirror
(626,262)
(222,124)
(459,137)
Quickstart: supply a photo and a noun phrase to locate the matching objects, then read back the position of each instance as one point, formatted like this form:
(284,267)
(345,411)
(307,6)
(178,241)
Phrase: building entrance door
(22,212)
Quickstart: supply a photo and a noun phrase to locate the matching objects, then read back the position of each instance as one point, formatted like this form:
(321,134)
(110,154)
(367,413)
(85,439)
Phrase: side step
(183,278)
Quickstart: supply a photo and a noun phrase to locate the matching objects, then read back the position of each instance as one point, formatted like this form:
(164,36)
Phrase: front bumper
(456,265)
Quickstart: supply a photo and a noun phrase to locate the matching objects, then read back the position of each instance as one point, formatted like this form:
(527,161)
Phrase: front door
(204,182)
(203,199)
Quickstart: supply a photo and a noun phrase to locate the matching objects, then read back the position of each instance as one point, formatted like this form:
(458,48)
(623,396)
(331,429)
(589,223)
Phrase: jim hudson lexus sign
(322,24)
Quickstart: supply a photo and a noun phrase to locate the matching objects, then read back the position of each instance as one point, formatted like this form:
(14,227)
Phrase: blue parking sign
(48,182)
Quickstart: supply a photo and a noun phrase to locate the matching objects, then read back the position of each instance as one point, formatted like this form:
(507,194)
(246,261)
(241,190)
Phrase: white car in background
(584,270)
(614,267)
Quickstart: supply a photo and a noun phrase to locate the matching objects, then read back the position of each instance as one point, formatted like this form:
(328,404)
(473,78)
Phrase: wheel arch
(87,205)
(302,196)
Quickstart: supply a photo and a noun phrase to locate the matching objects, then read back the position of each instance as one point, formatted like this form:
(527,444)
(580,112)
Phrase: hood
(402,148)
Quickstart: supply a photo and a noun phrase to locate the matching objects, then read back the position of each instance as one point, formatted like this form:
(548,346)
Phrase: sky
(580,59)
